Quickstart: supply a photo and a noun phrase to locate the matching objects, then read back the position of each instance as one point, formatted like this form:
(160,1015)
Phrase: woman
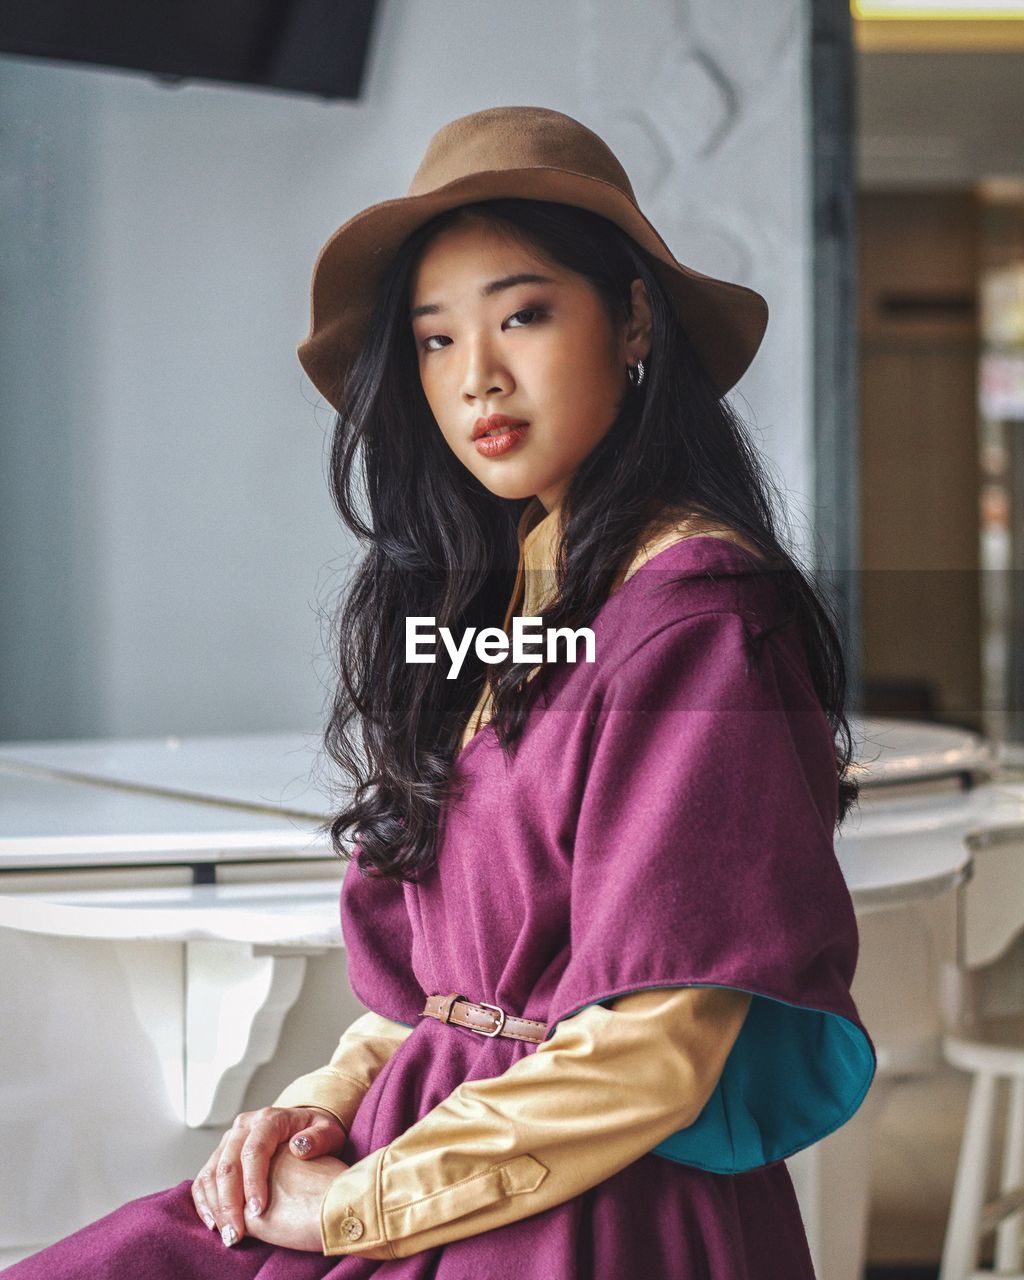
(596,917)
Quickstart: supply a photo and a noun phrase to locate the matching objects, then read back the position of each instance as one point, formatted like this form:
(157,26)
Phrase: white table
(168,911)
(52,821)
(892,751)
(278,772)
(75,816)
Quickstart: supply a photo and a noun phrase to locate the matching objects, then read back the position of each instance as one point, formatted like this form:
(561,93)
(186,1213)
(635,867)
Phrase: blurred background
(168,550)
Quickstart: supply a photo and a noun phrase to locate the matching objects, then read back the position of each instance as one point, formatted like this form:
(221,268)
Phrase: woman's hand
(230,1191)
(297,1186)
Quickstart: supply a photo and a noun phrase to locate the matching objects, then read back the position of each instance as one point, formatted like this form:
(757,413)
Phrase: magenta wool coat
(667,820)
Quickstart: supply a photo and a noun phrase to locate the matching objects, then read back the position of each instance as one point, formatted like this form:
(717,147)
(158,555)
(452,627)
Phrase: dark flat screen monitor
(302,46)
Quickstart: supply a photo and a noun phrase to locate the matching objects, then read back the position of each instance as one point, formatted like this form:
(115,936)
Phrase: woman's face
(541,351)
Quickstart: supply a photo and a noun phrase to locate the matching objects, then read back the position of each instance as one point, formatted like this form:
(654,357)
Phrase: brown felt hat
(533,153)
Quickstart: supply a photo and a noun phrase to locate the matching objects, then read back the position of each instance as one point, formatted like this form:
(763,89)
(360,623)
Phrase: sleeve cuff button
(351,1227)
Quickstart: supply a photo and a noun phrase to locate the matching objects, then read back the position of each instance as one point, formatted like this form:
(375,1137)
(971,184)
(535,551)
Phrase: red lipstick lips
(508,433)
(495,422)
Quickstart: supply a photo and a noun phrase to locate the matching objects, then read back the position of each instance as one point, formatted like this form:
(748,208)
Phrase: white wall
(166,525)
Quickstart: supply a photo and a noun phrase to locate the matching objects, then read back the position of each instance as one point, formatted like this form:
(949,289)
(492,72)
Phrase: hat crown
(529,153)
(503,138)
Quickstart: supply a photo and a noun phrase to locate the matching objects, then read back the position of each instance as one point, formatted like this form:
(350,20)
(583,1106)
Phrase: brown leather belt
(486,1019)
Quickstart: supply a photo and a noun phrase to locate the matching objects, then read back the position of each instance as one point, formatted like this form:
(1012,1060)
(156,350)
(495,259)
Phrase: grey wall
(168,540)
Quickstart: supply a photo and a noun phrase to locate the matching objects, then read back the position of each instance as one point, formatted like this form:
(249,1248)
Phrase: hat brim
(723,320)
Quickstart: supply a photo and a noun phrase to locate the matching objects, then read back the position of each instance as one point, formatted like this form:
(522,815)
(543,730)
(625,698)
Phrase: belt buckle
(501,1019)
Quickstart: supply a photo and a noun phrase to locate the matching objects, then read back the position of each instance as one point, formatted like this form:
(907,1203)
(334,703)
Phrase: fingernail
(229,1235)
(302,1144)
(210,1221)
(254,1206)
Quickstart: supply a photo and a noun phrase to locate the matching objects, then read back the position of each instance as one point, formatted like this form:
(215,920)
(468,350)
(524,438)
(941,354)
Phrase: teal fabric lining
(793,1076)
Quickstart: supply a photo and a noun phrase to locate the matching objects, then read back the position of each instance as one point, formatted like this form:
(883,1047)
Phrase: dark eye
(425,341)
(527,311)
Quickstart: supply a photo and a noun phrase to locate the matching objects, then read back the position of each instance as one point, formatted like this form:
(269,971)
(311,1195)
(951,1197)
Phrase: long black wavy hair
(441,544)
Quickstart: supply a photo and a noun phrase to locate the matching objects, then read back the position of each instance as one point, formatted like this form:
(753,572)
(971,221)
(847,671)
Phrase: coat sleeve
(598,1094)
(704,856)
(340,1085)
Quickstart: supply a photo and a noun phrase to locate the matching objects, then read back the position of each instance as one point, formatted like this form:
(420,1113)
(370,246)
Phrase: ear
(639,326)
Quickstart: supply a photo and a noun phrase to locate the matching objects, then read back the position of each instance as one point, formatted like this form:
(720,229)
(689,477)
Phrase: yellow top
(610,1084)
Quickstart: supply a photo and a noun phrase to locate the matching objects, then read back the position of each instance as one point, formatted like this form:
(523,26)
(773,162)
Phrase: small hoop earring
(635,373)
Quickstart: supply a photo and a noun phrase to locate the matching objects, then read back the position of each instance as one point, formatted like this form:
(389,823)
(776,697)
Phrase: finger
(267,1130)
(322,1136)
(202,1203)
(230,1189)
(204,1188)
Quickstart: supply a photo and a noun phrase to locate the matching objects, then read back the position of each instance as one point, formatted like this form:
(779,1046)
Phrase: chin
(508,487)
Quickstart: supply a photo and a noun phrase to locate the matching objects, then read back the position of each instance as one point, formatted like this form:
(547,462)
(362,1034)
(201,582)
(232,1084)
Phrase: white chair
(993,1054)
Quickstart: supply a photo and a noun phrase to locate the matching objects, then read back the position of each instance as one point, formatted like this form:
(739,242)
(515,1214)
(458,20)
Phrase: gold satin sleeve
(339,1087)
(607,1087)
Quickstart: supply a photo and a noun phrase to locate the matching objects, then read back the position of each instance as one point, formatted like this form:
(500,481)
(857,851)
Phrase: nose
(485,374)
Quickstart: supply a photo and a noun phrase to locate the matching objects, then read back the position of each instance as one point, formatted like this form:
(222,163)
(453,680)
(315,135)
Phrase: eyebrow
(487,290)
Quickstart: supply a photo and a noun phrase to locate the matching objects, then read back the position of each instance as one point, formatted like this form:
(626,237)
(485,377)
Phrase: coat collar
(538,534)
